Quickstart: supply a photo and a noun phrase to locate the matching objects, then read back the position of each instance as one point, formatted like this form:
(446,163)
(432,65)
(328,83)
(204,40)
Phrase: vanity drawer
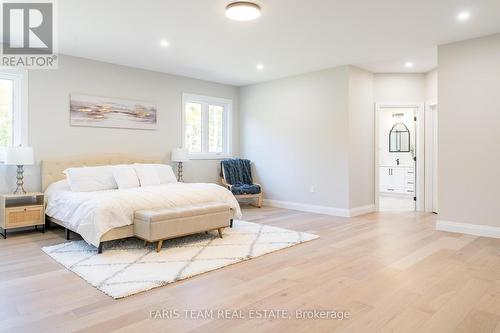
(393,190)
(24,216)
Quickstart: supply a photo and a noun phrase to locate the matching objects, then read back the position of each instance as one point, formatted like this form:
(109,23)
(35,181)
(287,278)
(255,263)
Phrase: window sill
(209,157)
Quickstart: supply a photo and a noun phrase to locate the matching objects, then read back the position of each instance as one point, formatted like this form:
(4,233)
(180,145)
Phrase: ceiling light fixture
(242,11)
(408,64)
(260,67)
(164,43)
(463,16)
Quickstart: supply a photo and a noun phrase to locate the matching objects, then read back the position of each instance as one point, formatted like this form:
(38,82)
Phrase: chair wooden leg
(68,234)
(231,223)
(259,201)
(220,232)
(160,244)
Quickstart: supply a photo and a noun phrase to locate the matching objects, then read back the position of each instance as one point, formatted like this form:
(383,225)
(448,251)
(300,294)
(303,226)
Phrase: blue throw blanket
(238,173)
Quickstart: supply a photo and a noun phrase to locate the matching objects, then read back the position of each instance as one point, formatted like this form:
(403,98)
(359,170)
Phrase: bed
(108,215)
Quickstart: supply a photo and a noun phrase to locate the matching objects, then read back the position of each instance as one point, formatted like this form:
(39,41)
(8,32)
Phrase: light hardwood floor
(392,271)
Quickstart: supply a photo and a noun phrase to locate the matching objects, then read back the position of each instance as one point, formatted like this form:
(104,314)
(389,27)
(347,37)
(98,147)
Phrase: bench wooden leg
(231,223)
(99,248)
(220,232)
(160,244)
(68,235)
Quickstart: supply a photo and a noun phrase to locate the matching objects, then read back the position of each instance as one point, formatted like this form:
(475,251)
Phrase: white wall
(316,130)
(400,88)
(468,123)
(431,88)
(52,137)
(295,130)
(361,138)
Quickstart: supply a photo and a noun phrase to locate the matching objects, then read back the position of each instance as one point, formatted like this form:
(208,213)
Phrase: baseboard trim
(469,229)
(342,212)
(362,210)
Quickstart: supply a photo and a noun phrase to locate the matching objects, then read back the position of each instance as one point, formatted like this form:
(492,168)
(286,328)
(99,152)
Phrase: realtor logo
(28,34)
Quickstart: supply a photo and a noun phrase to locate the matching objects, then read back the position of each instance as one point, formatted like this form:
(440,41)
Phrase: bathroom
(396,151)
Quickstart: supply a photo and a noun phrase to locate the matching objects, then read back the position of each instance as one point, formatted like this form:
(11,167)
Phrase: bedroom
(298,99)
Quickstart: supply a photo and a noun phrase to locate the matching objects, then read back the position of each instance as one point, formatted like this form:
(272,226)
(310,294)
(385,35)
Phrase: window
(13,109)
(206,131)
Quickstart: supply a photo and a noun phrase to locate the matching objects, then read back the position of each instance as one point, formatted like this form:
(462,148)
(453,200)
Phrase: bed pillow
(89,179)
(147,174)
(166,174)
(125,176)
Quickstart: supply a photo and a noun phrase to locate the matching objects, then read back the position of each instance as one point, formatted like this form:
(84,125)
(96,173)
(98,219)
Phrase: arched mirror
(399,139)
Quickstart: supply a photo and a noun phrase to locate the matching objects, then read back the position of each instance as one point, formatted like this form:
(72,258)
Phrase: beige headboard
(52,170)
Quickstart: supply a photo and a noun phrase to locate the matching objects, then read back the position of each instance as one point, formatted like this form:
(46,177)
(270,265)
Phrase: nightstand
(22,210)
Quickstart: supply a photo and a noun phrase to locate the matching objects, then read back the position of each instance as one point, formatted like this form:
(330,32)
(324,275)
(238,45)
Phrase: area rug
(127,267)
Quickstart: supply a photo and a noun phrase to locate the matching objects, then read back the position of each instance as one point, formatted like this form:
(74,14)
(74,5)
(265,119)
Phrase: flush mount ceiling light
(164,43)
(408,64)
(260,67)
(463,16)
(242,11)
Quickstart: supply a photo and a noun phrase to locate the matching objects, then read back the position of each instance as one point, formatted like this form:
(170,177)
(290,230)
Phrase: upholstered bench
(161,224)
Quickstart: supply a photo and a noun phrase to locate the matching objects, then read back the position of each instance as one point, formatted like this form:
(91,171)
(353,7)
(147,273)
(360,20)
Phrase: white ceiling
(291,36)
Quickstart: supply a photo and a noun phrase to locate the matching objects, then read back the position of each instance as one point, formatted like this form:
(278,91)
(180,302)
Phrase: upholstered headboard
(52,170)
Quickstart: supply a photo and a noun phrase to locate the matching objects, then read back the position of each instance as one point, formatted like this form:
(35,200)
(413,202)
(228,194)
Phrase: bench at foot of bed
(161,224)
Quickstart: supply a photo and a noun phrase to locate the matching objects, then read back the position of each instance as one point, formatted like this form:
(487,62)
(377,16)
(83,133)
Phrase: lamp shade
(19,156)
(180,155)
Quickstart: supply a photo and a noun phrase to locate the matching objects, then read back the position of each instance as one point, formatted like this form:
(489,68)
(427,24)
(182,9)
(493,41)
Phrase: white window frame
(227,104)
(19,107)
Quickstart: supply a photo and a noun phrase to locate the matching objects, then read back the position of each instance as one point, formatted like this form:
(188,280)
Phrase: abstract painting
(96,111)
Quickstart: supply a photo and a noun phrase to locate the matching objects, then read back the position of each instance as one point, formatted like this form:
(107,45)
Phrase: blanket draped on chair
(238,173)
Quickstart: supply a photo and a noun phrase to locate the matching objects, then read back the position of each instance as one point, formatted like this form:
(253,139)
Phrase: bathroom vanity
(398,179)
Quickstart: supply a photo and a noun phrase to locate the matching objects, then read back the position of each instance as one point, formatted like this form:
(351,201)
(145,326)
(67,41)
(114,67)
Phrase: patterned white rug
(127,267)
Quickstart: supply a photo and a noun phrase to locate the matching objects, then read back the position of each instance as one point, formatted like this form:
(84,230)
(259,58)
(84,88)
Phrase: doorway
(397,173)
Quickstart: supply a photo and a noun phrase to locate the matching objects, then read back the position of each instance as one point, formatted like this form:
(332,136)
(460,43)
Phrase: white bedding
(92,214)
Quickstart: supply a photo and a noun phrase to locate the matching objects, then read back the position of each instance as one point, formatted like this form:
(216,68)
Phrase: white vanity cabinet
(397,179)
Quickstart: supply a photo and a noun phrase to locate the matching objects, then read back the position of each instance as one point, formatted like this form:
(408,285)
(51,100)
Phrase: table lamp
(180,155)
(19,156)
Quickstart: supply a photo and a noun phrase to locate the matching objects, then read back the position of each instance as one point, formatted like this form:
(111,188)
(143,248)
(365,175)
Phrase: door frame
(419,150)
(431,156)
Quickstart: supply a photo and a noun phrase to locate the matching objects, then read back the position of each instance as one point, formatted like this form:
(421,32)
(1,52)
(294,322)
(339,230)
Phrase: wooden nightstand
(22,210)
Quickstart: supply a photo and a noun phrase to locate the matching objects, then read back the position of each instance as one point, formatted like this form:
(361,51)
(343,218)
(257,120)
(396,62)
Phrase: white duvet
(92,214)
